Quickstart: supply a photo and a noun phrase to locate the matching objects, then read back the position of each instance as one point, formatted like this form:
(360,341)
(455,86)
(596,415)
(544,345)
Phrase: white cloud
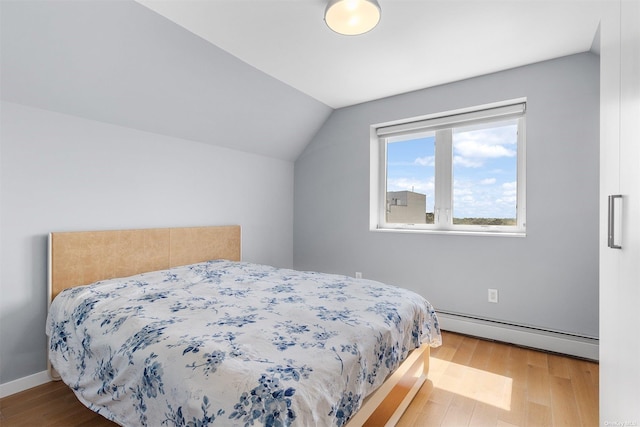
(475,149)
(510,187)
(509,193)
(489,133)
(408,184)
(484,198)
(425,161)
(461,191)
(466,162)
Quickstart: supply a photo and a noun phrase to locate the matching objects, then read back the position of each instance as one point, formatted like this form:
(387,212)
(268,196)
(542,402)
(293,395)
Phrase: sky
(484,169)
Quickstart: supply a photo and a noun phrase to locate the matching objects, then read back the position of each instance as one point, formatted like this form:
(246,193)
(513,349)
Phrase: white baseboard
(557,342)
(21,384)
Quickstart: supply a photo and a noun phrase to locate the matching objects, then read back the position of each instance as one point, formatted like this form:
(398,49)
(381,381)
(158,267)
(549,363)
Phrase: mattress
(233,343)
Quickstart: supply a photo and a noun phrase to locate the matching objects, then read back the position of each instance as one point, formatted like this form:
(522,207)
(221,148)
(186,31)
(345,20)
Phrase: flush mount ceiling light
(352,17)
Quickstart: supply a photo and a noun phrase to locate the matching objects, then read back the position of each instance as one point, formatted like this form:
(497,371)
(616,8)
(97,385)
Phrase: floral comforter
(231,343)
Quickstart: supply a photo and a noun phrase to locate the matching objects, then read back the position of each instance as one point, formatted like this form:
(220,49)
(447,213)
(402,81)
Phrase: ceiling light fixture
(352,17)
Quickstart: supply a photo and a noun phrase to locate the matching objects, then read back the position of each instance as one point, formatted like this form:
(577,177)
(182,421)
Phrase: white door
(620,175)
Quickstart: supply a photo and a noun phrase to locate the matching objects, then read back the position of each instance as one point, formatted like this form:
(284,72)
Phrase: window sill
(486,233)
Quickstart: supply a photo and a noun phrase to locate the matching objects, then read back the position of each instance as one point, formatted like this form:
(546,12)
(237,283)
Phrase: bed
(169,327)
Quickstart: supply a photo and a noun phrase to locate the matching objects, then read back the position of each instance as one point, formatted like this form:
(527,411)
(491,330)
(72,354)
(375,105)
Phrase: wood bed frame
(81,258)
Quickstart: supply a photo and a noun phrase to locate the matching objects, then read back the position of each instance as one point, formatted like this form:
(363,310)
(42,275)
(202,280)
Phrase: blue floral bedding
(233,343)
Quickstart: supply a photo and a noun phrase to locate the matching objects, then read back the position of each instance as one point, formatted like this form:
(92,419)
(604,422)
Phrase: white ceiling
(418,43)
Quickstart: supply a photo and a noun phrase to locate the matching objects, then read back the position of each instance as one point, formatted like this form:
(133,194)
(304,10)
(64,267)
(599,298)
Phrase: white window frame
(442,124)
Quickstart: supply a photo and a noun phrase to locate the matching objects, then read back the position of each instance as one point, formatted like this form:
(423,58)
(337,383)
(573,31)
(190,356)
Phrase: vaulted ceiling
(262,75)
(418,43)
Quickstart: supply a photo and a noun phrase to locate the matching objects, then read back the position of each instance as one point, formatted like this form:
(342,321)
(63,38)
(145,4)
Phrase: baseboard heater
(529,336)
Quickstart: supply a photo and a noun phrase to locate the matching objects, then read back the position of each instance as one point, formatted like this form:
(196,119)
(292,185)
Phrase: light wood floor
(471,382)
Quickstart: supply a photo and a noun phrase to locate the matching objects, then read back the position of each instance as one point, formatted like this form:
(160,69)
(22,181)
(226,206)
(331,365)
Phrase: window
(460,171)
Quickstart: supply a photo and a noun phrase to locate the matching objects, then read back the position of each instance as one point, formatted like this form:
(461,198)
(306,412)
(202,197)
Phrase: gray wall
(120,62)
(548,279)
(65,173)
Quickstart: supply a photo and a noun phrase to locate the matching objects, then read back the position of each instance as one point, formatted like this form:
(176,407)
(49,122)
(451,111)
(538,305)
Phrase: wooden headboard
(83,257)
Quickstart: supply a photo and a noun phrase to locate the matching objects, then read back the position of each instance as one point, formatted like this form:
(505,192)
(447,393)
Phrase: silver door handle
(611,241)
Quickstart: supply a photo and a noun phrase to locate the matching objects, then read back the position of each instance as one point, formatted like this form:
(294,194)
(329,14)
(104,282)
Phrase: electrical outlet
(493,295)
(358,275)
